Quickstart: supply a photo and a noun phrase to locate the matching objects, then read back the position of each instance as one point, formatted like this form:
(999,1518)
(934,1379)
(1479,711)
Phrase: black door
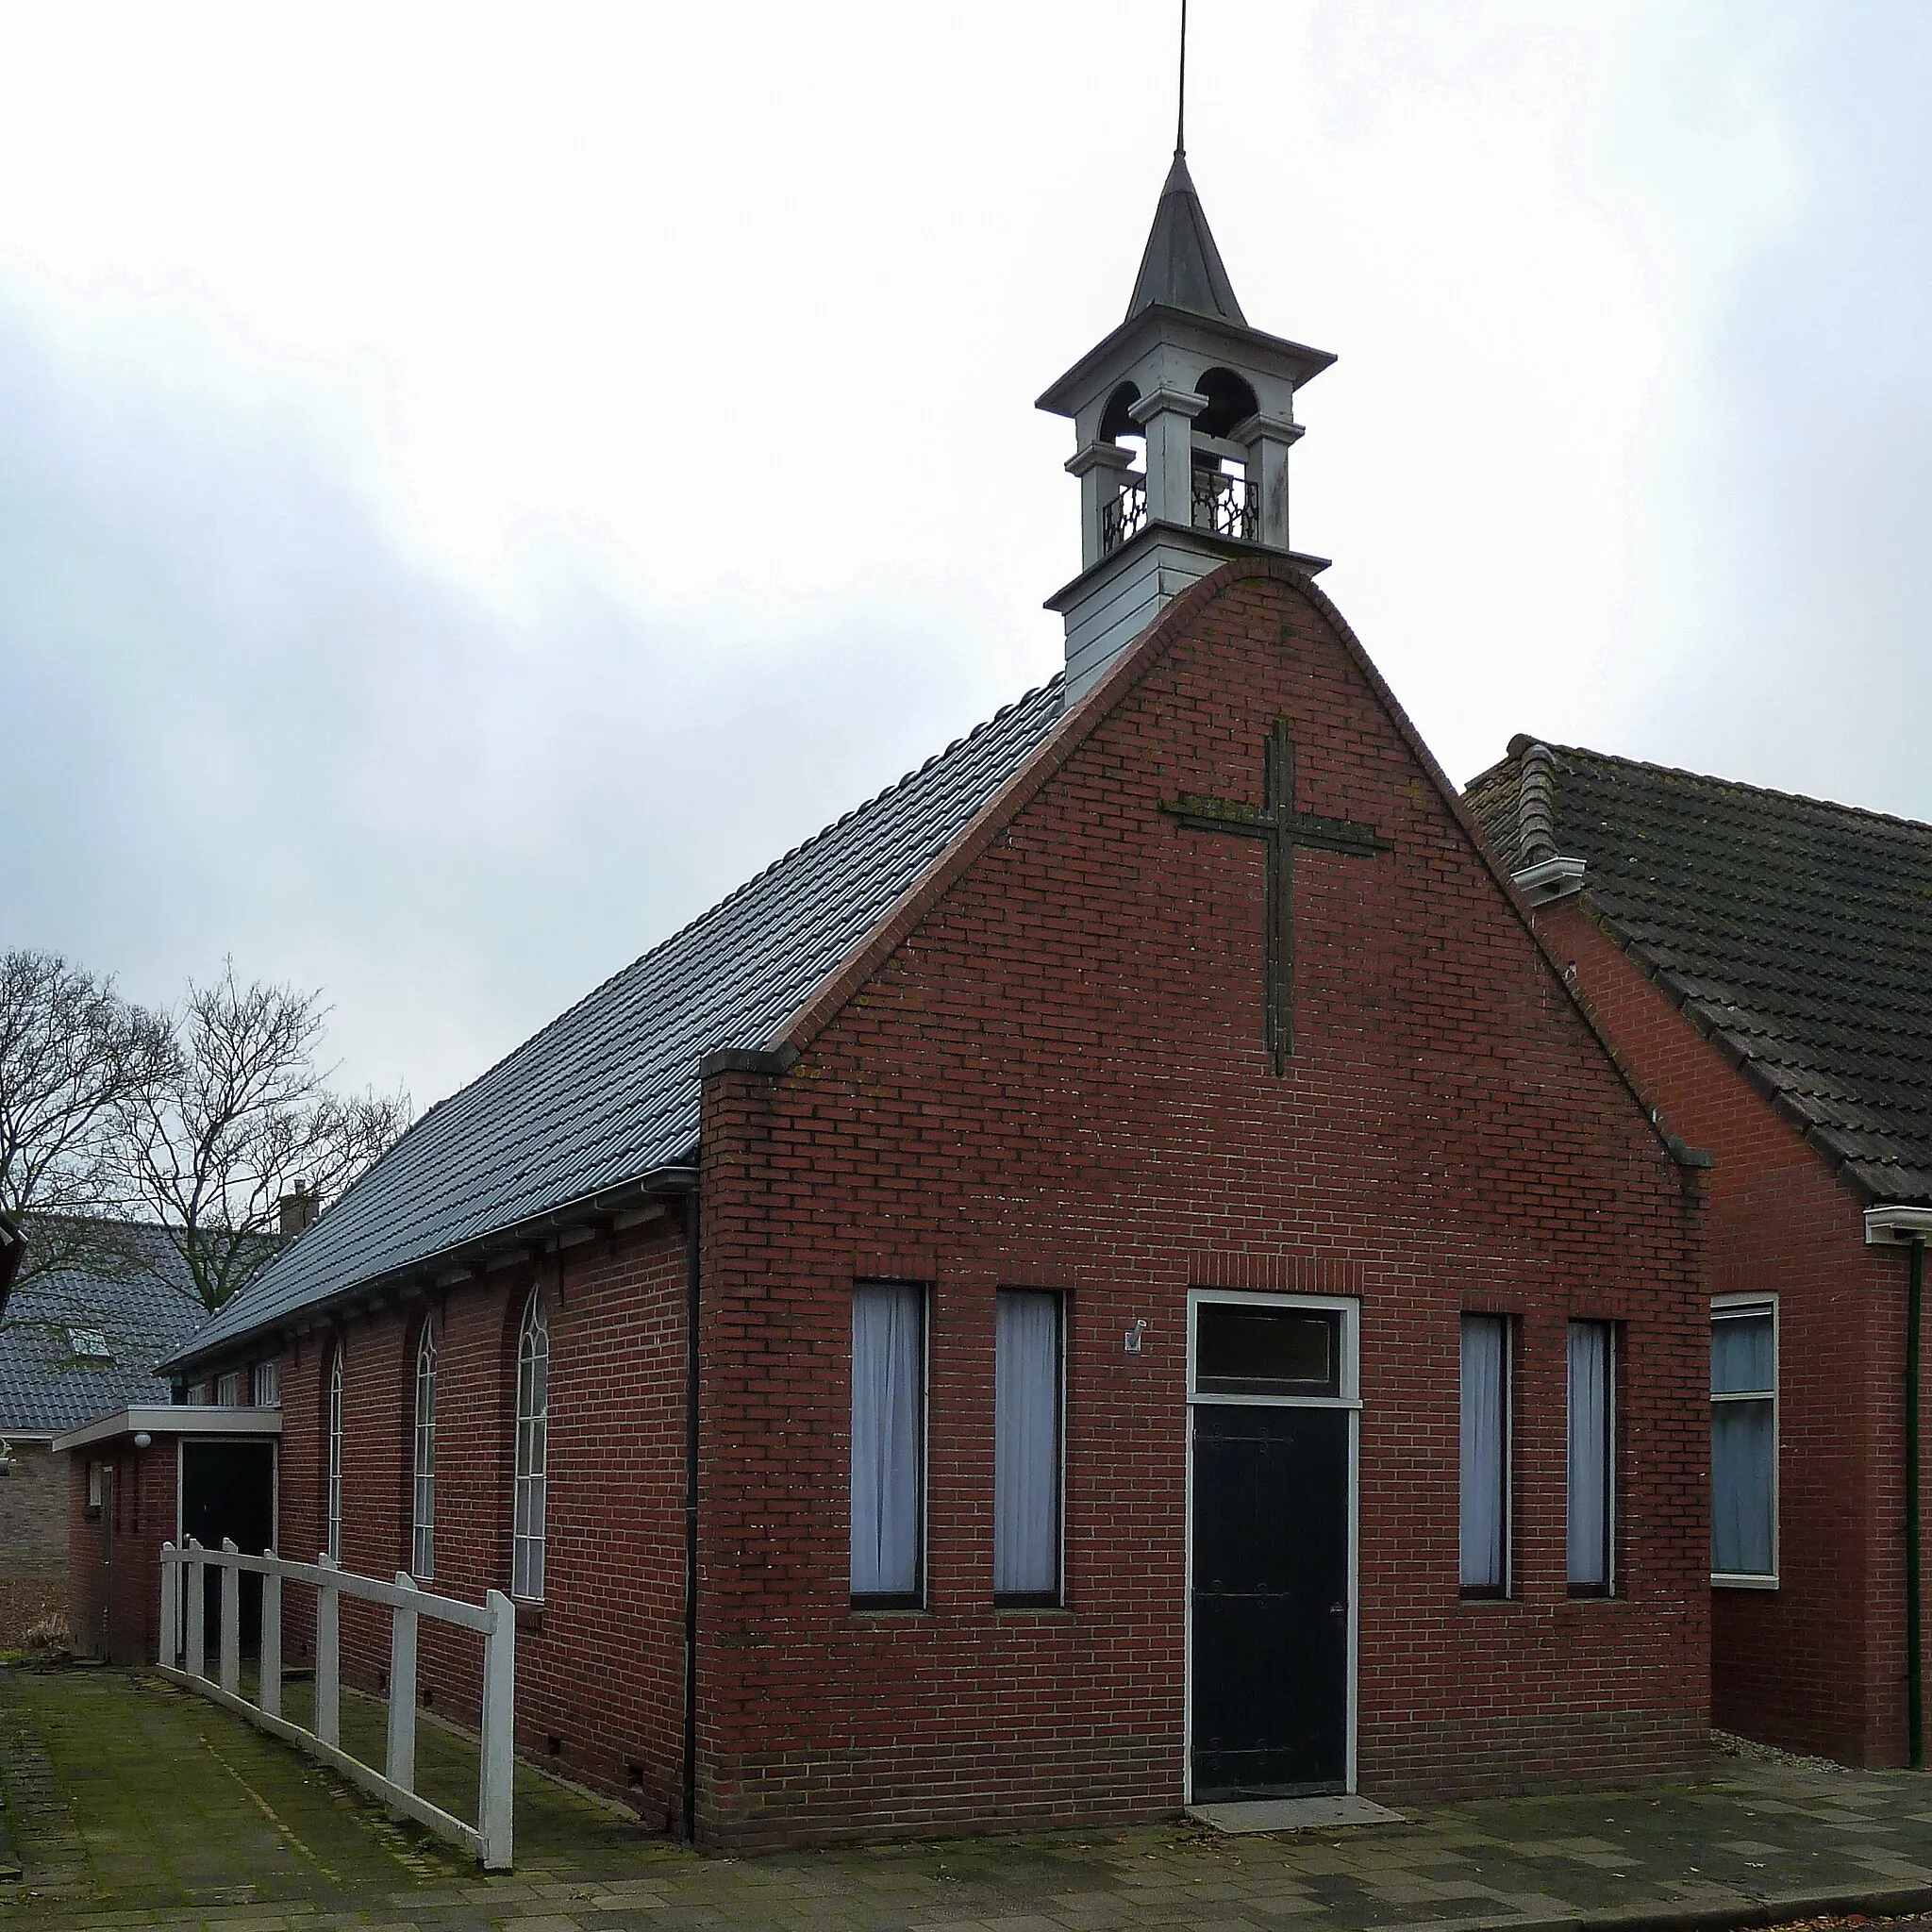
(1270,1602)
(228,1490)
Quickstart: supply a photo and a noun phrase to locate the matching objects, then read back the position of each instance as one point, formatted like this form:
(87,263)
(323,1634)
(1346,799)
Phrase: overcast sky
(477,483)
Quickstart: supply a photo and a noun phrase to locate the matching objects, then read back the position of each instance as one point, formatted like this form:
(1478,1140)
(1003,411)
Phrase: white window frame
(1756,1305)
(267,1387)
(531,1452)
(423,1458)
(228,1388)
(333,1469)
(1349,1397)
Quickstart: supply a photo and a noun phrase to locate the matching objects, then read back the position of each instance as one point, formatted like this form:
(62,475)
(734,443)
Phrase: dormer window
(88,1345)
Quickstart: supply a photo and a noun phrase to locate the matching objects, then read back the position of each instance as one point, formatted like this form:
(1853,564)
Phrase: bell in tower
(1210,402)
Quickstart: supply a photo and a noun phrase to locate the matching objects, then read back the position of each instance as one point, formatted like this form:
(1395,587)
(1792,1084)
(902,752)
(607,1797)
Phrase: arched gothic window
(533,1452)
(334,1500)
(422,1515)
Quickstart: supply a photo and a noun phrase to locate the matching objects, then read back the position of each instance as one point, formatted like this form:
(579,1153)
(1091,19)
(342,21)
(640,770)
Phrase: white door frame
(1349,1309)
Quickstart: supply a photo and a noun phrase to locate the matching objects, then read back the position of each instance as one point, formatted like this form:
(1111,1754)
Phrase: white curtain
(1741,1354)
(1589,1452)
(1485,1449)
(1743,1447)
(888,1377)
(1026,1443)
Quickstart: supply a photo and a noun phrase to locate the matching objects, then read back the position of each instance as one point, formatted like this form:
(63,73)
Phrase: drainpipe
(1915,1689)
(691,1518)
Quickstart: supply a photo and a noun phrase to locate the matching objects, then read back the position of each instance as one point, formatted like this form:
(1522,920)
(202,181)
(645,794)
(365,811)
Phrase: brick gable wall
(1817,1665)
(1057,1079)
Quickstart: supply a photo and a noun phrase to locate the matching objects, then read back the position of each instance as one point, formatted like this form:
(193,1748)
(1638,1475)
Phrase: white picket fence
(184,1586)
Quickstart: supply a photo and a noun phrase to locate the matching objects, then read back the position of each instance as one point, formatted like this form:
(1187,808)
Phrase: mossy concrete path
(133,1804)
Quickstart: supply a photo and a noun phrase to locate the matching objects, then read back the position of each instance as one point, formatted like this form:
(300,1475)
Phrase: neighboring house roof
(1796,934)
(609,1093)
(75,1344)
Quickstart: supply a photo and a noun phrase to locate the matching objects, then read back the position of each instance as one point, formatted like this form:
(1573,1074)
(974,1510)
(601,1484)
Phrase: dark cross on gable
(1281,828)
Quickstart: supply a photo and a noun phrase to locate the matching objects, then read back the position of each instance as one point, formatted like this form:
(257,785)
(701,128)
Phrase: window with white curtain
(1593,1456)
(422,1487)
(1026,1447)
(1485,1455)
(887,1444)
(1743,1440)
(267,1392)
(333,1507)
(533,1452)
(228,1388)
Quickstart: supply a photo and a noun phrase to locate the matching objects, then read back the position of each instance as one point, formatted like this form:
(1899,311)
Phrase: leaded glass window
(533,1452)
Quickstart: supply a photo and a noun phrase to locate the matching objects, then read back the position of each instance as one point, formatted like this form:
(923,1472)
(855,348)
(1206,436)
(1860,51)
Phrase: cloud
(468,500)
(1779,627)
(244,714)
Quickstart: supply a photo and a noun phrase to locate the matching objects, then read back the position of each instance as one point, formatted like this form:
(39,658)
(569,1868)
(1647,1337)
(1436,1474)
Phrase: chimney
(299,1209)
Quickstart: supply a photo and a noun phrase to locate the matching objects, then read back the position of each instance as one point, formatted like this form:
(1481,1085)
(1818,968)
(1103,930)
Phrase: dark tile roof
(609,1093)
(1797,934)
(50,1381)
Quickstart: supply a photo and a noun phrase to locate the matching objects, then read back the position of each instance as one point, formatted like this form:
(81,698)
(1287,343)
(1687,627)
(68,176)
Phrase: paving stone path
(132,1804)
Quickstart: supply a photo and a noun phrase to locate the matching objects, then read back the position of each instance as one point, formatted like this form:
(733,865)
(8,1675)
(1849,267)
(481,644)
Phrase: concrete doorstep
(1294,1814)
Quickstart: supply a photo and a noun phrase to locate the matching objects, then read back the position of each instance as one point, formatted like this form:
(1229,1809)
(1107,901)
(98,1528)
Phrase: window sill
(530,1619)
(1592,1593)
(1472,1594)
(1734,1582)
(872,1611)
(1024,1612)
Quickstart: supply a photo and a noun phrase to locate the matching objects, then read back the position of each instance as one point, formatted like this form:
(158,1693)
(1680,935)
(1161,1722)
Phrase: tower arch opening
(1116,422)
(1231,400)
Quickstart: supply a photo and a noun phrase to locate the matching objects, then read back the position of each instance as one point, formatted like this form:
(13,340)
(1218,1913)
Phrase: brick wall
(600,1661)
(1050,1072)
(115,1581)
(33,1540)
(1817,1665)
(1057,1078)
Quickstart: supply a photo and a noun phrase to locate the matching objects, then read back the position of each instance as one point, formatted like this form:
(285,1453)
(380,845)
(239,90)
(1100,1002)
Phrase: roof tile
(609,1091)
(1797,932)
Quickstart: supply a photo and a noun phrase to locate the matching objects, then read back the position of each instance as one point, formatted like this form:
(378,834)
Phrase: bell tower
(1210,401)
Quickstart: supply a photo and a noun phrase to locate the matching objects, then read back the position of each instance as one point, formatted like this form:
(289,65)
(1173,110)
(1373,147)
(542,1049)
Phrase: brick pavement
(136,1804)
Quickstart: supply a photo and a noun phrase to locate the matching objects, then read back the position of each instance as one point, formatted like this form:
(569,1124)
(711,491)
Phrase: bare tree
(239,1117)
(73,1055)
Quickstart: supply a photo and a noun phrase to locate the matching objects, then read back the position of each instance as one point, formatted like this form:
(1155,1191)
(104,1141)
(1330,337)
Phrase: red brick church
(1118,1275)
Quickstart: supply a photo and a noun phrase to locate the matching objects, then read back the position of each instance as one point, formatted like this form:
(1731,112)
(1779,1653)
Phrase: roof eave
(669,1178)
(1295,360)
(170,1419)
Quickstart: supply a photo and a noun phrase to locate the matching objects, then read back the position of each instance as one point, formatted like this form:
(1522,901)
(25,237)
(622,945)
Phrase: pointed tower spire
(1180,267)
(1183,423)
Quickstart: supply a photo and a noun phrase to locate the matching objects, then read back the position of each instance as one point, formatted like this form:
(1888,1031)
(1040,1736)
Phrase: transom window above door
(1258,1349)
